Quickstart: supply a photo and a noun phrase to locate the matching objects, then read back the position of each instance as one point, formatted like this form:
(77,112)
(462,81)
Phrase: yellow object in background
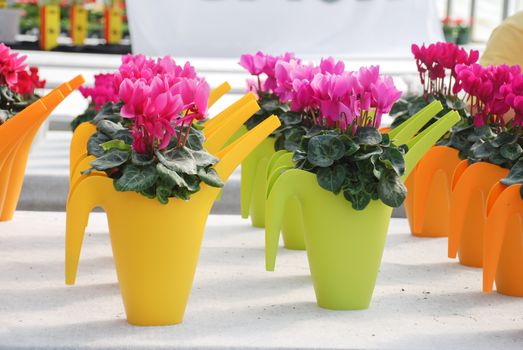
(3,4)
(505,45)
(113,24)
(78,24)
(49,26)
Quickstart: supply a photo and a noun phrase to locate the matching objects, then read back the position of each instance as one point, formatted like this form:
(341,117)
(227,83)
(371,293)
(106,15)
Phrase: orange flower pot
(16,137)
(503,246)
(429,203)
(471,186)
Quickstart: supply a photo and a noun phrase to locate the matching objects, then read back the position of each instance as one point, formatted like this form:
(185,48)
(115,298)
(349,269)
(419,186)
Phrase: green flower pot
(344,246)
(253,182)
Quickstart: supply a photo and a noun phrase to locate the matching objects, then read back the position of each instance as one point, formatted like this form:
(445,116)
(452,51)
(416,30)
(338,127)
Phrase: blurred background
(65,38)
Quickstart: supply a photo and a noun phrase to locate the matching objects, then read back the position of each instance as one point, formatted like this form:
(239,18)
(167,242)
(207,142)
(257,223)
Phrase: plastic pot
(16,137)
(431,197)
(471,186)
(503,241)
(344,246)
(155,246)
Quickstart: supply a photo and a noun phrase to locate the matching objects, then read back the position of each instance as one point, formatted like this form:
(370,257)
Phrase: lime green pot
(344,246)
(254,182)
(292,226)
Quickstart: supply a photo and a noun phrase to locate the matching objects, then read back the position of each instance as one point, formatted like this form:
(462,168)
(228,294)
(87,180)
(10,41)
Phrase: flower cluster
(331,96)
(161,98)
(103,91)
(263,64)
(437,62)
(16,75)
(491,91)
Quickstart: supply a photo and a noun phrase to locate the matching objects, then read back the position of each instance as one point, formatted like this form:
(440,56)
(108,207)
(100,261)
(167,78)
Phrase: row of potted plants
(457,185)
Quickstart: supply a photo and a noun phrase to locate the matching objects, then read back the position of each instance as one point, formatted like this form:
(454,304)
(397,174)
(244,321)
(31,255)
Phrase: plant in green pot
(153,175)
(347,178)
(273,100)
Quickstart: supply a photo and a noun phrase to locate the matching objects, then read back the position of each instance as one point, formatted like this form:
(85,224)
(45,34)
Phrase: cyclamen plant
(436,64)
(344,148)
(102,92)
(18,83)
(491,93)
(147,142)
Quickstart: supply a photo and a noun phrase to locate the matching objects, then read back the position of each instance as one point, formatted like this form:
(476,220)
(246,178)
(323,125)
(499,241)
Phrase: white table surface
(422,299)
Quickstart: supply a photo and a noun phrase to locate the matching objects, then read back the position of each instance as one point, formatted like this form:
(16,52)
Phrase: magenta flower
(11,64)
(102,92)
(255,64)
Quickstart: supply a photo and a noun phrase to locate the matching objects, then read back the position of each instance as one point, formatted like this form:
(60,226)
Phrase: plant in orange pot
(428,200)
(493,91)
(503,241)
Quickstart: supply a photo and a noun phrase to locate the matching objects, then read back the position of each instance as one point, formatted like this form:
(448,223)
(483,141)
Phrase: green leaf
(94,147)
(136,178)
(169,176)
(291,118)
(359,200)
(511,151)
(417,105)
(331,178)
(109,128)
(210,177)
(323,150)
(112,159)
(204,158)
(393,159)
(292,139)
(391,190)
(368,136)
(481,150)
(195,139)
(367,152)
(193,183)
(115,144)
(163,192)
(503,139)
(141,159)
(515,175)
(179,160)
(351,147)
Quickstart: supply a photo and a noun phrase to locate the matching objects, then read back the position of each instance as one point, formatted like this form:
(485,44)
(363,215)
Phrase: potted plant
(494,91)
(503,241)
(428,196)
(347,178)
(158,186)
(21,114)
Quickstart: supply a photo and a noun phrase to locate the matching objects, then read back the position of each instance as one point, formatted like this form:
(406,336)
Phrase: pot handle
(276,173)
(406,130)
(232,155)
(78,146)
(224,131)
(214,123)
(273,161)
(218,92)
(420,144)
(89,193)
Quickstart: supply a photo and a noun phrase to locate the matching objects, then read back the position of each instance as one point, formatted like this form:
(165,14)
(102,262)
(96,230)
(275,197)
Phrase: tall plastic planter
(292,229)
(254,182)
(431,198)
(344,246)
(155,247)
(470,187)
(503,241)
(16,137)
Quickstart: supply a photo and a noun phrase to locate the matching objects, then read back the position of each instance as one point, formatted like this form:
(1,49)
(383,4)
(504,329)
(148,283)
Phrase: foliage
(172,172)
(365,166)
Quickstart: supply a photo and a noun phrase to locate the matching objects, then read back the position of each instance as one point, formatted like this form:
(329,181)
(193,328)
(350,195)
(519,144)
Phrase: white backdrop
(228,28)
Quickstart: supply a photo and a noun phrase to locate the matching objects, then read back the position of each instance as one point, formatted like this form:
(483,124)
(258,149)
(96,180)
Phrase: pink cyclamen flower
(254,64)
(11,64)
(102,91)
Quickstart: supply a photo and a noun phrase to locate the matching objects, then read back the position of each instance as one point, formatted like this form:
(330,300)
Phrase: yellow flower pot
(155,246)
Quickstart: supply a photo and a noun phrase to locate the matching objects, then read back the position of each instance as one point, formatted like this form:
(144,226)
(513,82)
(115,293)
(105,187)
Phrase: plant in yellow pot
(494,91)
(347,178)
(157,182)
